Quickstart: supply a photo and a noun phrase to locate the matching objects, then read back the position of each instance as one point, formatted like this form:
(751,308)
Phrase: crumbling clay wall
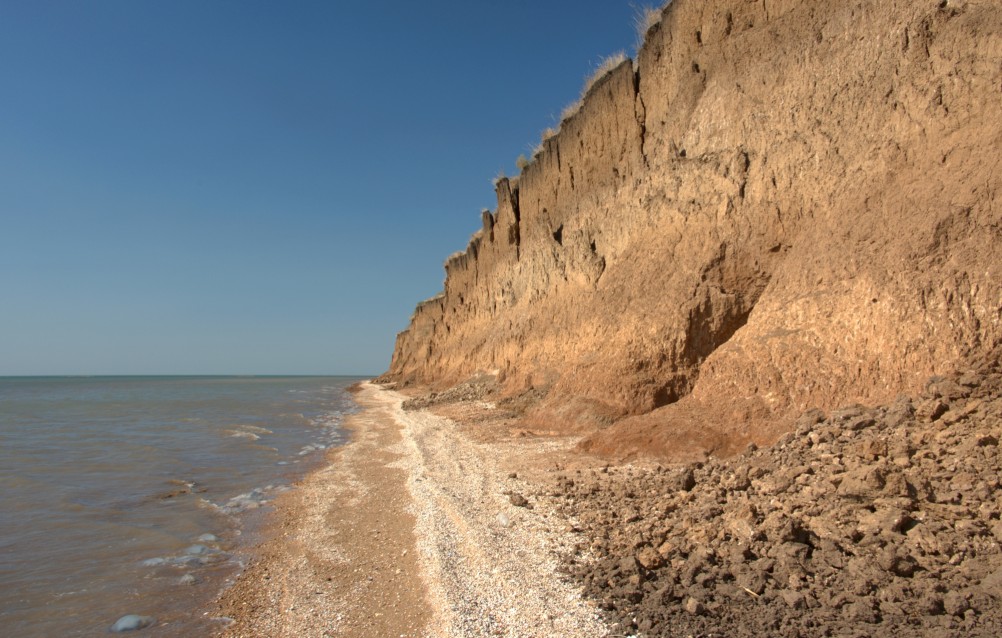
(781,205)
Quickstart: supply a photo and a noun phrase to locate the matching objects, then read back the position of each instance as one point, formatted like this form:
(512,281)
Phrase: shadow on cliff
(776,208)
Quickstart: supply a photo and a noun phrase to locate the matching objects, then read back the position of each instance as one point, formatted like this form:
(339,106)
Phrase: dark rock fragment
(685,481)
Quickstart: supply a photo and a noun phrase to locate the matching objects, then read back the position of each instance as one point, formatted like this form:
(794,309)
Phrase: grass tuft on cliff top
(602,70)
(645,18)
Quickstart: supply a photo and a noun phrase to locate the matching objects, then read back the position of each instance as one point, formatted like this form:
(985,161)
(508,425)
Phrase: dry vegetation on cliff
(644,20)
(602,69)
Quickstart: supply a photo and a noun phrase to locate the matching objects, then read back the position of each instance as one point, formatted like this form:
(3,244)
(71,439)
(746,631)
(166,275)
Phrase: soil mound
(867,521)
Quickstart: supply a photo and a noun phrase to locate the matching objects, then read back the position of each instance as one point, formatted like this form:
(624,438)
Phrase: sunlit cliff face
(779,206)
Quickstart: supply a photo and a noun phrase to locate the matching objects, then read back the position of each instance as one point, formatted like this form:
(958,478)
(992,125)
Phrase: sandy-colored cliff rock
(782,204)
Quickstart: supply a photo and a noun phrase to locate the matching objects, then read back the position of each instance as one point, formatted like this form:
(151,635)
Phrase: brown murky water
(136,495)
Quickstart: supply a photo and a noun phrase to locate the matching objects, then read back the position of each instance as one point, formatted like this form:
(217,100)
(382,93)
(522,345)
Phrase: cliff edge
(780,205)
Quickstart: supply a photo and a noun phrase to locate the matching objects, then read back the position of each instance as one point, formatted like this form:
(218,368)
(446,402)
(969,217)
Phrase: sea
(144,495)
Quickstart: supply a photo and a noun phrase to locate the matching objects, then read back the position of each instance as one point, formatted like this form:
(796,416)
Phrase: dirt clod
(892,528)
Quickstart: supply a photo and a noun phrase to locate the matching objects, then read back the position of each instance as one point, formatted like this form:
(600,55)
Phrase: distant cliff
(780,205)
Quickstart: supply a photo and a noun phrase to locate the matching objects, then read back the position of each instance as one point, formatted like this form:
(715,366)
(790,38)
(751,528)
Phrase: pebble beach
(416,528)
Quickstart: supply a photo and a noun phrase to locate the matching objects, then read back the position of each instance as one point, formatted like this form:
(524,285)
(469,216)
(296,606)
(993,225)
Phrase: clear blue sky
(259,187)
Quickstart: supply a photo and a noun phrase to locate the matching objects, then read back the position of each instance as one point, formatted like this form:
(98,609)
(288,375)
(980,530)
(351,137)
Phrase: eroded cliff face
(782,205)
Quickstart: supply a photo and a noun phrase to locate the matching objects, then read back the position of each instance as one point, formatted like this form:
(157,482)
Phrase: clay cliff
(780,205)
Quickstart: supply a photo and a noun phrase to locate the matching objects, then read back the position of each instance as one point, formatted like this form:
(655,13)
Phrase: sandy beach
(447,515)
(418,527)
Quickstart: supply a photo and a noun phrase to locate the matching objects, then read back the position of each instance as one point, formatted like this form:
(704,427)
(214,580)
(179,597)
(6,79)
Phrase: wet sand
(418,527)
(339,559)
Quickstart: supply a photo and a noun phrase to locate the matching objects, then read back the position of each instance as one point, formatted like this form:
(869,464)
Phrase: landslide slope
(780,205)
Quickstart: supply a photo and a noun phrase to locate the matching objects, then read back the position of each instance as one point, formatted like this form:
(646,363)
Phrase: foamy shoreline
(410,530)
(136,496)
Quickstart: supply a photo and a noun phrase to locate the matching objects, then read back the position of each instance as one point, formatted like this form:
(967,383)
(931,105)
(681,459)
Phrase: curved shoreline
(339,557)
(411,531)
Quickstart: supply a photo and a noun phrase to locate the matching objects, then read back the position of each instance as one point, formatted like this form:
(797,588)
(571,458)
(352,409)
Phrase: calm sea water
(136,495)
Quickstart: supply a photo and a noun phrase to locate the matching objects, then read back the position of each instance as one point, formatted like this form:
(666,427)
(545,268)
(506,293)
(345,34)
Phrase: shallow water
(135,495)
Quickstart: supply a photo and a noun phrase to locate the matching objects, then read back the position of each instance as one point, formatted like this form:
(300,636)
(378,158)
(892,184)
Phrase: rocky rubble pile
(867,521)
(473,389)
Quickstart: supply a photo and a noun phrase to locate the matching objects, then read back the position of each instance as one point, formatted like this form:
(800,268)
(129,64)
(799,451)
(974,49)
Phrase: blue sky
(203,187)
